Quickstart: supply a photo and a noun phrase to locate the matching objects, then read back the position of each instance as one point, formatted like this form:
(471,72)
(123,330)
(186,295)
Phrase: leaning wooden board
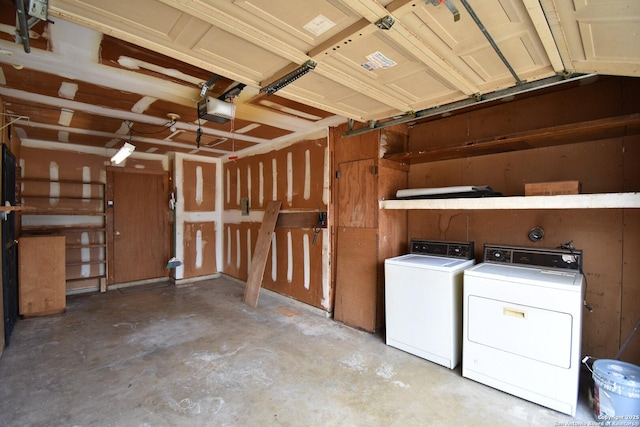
(41,272)
(259,261)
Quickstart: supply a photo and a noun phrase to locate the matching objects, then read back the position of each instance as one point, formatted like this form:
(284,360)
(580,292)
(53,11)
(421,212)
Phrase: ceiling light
(288,78)
(174,119)
(124,152)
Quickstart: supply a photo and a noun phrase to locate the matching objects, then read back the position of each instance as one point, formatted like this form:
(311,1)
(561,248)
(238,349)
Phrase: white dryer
(423,300)
(522,324)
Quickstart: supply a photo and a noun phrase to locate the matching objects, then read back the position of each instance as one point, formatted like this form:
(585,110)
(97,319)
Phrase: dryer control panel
(554,258)
(462,250)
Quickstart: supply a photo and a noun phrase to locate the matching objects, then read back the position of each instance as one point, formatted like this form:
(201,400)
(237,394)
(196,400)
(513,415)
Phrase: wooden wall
(67,188)
(296,175)
(610,238)
(198,216)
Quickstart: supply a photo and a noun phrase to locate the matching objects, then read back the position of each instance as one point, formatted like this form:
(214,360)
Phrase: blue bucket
(617,390)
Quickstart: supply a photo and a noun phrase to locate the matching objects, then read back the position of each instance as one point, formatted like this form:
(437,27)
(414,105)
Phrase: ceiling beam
(116,114)
(539,20)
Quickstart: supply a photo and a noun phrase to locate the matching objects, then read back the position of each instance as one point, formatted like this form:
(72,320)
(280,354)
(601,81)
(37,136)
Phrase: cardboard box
(552,188)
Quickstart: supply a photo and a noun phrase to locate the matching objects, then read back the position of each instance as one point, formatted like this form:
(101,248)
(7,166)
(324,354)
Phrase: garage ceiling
(99,73)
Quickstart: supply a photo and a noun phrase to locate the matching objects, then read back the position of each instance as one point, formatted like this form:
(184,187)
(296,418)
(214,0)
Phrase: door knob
(117,233)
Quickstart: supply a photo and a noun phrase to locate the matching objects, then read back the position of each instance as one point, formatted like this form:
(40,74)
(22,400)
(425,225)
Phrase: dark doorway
(9,248)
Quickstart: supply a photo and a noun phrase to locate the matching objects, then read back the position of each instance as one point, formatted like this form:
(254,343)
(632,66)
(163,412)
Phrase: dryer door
(531,332)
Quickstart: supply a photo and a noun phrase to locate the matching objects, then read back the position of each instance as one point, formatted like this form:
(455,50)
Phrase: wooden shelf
(27,196)
(89,246)
(576,201)
(64,212)
(58,228)
(81,263)
(63,181)
(611,127)
(15,208)
(79,279)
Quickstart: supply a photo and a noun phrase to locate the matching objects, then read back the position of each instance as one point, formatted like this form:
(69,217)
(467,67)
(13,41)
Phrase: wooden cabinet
(41,275)
(365,235)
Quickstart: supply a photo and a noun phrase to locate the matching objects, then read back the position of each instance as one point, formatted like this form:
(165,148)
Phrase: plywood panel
(298,269)
(62,165)
(630,161)
(41,262)
(308,173)
(358,147)
(630,285)
(199,186)
(232,185)
(295,174)
(392,225)
(199,249)
(357,197)
(605,98)
(597,165)
(439,225)
(356,298)
(236,260)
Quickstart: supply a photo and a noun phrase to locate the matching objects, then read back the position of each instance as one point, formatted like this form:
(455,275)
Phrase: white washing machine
(423,300)
(522,324)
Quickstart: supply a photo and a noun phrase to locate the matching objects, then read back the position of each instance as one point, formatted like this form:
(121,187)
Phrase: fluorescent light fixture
(124,152)
(288,78)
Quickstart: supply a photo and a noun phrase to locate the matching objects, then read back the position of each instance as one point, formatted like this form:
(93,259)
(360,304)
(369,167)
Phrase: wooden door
(357,288)
(140,230)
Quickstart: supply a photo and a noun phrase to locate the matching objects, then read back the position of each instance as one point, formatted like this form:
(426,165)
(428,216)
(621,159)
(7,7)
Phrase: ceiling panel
(101,64)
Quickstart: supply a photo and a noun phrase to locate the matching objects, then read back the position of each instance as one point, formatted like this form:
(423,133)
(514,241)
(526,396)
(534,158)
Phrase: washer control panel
(462,250)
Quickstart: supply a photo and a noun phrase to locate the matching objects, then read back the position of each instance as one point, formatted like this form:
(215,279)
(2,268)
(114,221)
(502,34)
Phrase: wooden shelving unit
(573,201)
(75,210)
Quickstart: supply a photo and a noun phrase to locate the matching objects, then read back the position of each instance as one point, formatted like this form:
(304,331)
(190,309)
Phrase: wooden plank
(551,188)
(41,262)
(252,289)
(592,130)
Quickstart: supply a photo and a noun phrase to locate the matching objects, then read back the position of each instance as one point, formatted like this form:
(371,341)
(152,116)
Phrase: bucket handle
(585,361)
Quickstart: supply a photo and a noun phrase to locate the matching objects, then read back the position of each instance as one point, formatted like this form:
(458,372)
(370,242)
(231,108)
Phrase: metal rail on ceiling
(560,78)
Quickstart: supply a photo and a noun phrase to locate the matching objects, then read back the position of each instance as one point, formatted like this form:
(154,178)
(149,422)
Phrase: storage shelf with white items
(77,211)
(569,201)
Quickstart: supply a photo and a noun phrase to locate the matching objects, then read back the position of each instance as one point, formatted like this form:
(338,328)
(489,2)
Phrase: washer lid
(430,262)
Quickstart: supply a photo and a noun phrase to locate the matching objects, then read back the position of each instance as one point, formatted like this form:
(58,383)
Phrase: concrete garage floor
(197,356)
